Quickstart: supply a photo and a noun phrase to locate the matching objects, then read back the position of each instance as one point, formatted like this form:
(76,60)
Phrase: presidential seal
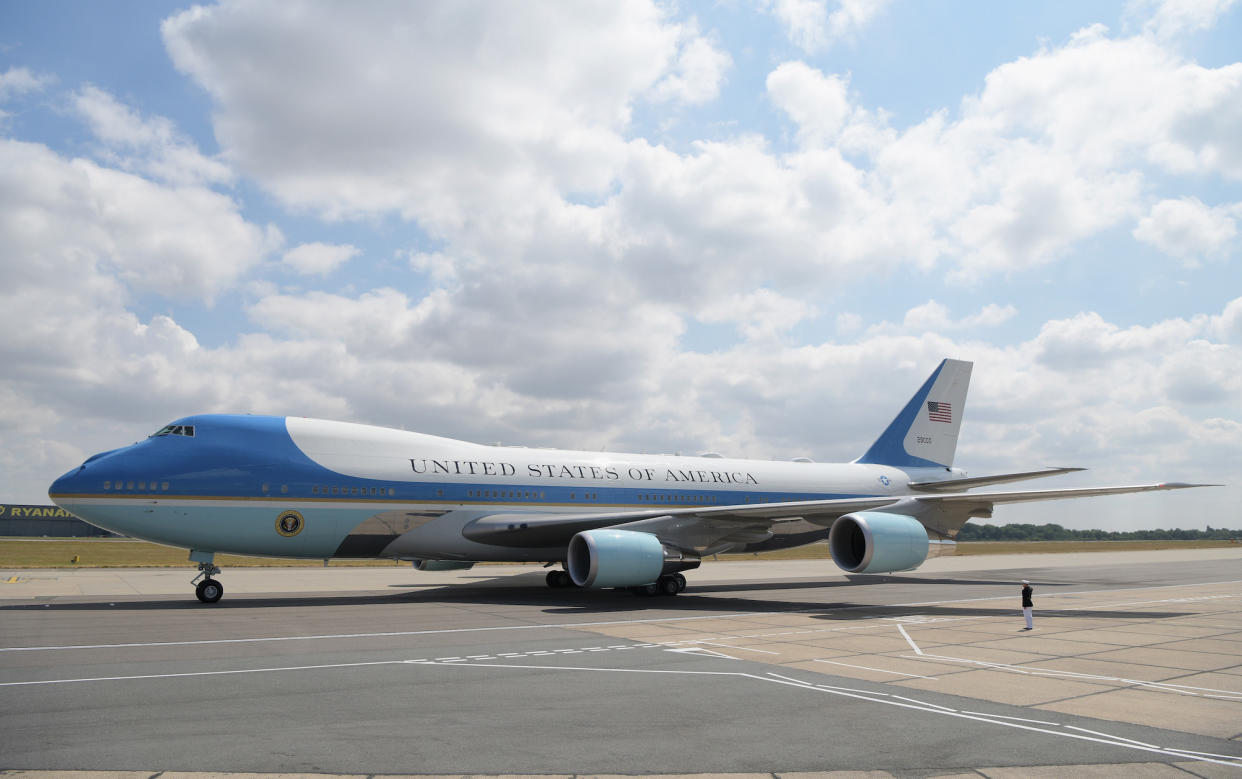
(290,523)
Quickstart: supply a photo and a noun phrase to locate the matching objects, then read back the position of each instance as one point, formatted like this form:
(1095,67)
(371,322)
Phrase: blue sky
(750,228)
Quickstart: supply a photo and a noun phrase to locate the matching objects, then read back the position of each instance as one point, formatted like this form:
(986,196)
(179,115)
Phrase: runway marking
(1017,719)
(909,640)
(577,625)
(879,670)
(923,703)
(1232,761)
(1098,733)
(697,650)
(1182,689)
(201,673)
(741,648)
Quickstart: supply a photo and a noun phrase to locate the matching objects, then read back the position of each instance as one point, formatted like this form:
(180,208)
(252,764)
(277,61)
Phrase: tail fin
(924,434)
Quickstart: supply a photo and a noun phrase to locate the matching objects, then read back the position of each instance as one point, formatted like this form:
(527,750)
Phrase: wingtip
(1181,485)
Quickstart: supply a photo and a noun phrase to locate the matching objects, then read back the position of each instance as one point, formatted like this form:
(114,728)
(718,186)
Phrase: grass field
(122,553)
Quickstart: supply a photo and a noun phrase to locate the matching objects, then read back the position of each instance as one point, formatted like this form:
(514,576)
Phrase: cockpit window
(185,430)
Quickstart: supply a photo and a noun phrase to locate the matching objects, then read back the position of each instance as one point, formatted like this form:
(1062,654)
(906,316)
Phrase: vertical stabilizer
(924,434)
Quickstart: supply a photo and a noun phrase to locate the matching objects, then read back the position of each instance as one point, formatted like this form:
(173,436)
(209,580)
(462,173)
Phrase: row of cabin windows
(515,494)
(130,485)
(678,499)
(378,492)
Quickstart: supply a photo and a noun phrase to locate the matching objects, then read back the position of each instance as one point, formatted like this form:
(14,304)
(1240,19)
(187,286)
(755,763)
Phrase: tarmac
(759,669)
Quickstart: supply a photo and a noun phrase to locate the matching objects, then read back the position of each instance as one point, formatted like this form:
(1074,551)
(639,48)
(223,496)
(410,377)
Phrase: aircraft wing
(699,527)
(957,485)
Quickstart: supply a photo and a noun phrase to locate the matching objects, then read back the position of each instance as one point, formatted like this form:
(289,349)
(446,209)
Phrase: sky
(751,228)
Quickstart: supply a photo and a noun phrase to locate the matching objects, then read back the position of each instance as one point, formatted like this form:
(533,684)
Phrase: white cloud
(1173,18)
(1189,230)
(319,258)
(811,27)
(1107,101)
(759,315)
(1228,326)
(63,221)
(152,146)
(19,81)
(933,316)
(819,104)
(527,99)
(697,75)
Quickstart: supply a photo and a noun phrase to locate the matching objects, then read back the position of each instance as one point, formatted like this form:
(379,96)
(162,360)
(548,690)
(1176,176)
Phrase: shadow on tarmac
(528,590)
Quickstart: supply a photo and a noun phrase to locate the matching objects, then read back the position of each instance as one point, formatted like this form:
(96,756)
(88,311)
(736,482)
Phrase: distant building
(40,521)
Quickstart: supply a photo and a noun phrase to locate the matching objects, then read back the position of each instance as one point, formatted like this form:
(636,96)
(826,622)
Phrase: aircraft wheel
(681,582)
(668,585)
(209,590)
(557,579)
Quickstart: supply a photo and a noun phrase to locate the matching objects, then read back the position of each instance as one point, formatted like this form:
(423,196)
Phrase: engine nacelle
(442,565)
(878,542)
(614,558)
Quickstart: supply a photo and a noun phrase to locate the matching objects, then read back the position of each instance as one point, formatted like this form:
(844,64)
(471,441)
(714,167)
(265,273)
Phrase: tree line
(973,532)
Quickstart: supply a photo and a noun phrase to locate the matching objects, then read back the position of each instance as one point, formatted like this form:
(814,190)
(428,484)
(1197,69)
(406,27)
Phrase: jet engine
(607,557)
(879,542)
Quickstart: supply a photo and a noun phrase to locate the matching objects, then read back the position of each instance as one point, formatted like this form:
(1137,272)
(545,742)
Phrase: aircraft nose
(67,483)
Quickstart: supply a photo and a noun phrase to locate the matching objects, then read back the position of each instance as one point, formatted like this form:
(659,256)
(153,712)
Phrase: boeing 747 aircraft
(309,488)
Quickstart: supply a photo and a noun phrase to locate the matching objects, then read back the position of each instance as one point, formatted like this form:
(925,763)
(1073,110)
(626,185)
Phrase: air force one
(310,488)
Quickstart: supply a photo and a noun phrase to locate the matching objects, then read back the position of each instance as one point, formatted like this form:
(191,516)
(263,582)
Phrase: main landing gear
(558,579)
(208,590)
(669,584)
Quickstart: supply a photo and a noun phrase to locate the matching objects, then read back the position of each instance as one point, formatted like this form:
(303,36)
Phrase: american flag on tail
(939,411)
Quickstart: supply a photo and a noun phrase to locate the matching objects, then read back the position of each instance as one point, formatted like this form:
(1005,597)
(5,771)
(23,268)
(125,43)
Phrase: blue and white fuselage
(309,488)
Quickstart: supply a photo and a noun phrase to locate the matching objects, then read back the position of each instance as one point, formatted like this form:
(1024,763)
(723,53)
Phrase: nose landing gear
(208,590)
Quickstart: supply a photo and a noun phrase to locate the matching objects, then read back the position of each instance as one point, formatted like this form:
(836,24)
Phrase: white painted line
(983,663)
(1016,719)
(909,640)
(199,673)
(877,670)
(390,634)
(741,648)
(924,703)
(798,682)
(697,650)
(1181,689)
(851,689)
(1209,754)
(1107,735)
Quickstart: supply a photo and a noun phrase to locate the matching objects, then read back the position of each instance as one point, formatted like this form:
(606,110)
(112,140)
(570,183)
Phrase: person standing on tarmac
(1027,605)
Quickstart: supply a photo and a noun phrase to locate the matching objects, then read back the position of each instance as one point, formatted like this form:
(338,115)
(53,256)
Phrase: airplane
(295,487)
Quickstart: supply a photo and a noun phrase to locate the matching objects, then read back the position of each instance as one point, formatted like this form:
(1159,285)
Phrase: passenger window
(107,485)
